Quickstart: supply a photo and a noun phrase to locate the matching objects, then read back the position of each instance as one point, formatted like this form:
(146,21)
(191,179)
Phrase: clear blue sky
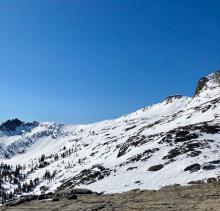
(81,61)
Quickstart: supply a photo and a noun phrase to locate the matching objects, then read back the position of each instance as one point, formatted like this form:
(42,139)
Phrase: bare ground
(204,197)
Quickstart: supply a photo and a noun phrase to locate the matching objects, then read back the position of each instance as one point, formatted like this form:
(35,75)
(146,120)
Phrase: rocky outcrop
(10,125)
(201,85)
(193,167)
(156,168)
(196,197)
(203,82)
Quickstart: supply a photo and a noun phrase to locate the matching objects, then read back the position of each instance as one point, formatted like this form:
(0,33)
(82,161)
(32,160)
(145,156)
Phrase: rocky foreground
(195,197)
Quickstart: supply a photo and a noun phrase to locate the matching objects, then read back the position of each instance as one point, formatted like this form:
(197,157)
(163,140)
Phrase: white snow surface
(99,144)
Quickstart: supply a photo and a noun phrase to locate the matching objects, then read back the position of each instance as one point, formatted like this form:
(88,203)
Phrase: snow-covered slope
(175,141)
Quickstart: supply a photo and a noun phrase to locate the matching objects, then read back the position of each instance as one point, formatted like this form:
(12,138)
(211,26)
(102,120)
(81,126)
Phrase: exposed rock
(131,168)
(80,191)
(130,128)
(201,84)
(211,180)
(191,148)
(71,193)
(140,157)
(156,168)
(210,129)
(209,167)
(133,141)
(10,125)
(173,97)
(193,167)
(197,182)
(195,197)
(17,202)
(215,162)
(21,200)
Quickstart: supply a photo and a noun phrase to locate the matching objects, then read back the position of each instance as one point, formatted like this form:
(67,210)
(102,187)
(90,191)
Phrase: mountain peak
(173,97)
(209,82)
(16,126)
(11,124)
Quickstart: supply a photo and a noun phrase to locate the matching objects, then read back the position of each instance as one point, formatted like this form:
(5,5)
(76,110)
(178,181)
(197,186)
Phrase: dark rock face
(193,167)
(191,148)
(185,140)
(216,76)
(215,162)
(210,129)
(10,125)
(156,168)
(182,136)
(203,82)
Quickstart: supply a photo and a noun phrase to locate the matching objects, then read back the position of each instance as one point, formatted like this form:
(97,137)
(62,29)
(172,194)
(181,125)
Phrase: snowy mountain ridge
(175,141)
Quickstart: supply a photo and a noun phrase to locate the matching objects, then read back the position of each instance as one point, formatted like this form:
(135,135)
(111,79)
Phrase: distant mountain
(16,127)
(174,141)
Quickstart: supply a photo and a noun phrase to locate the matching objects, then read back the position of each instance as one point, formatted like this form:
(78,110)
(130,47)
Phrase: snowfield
(176,141)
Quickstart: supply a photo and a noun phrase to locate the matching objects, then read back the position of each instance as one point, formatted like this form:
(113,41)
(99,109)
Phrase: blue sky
(82,61)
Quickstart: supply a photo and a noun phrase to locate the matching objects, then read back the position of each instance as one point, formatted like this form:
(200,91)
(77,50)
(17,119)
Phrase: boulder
(156,168)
